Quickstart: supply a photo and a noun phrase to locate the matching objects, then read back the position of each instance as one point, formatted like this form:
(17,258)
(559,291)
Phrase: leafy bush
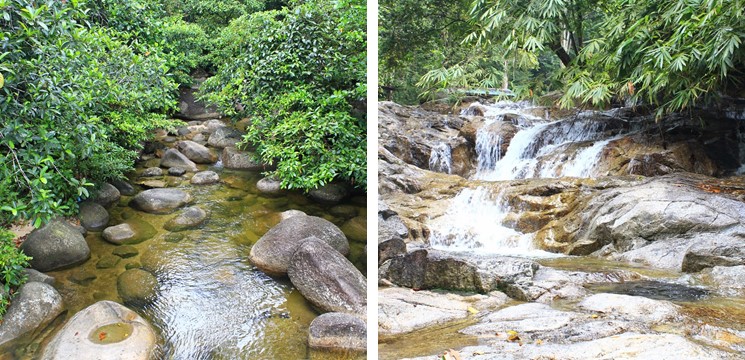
(300,75)
(12,263)
(70,94)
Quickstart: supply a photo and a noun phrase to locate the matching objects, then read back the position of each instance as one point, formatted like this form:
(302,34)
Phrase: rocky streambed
(161,266)
(505,233)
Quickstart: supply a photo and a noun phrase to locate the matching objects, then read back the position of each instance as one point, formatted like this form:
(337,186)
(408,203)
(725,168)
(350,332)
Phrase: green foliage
(12,263)
(70,91)
(300,75)
(212,15)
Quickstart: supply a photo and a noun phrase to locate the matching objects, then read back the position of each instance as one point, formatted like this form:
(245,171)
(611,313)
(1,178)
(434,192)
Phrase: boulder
(331,193)
(174,158)
(205,178)
(273,251)
(390,248)
(715,250)
(726,280)
(224,137)
(188,218)
(212,125)
(103,331)
(269,186)
(290,213)
(131,232)
(196,152)
(632,307)
(152,172)
(35,305)
(93,216)
(54,246)
(233,158)
(38,276)
(176,171)
(160,201)
(338,332)
(137,287)
(124,187)
(107,195)
(327,279)
(434,269)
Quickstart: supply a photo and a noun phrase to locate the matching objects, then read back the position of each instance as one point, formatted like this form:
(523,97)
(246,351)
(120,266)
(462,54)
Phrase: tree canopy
(671,54)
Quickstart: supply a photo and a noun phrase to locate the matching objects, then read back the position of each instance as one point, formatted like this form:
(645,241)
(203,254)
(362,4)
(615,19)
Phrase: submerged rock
(273,252)
(93,216)
(35,306)
(160,201)
(105,331)
(190,217)
(54,246)
(327,279)
(137,286)
(338,331)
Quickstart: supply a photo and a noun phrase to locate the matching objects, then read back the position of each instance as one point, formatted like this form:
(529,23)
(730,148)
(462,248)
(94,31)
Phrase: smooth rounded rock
(160,201)
(233,158)
(38,276)
(269,186)
(330,193)
(89,335)
(338,331)
(35,305)
(205,178)
(327,279)
(55,246)
(196,152)
(137,286)
(188,218)
(93,216)
(173,157)
(124,187)
(273,251)
(118,234)
(152,172)
(107,195)
(176,171)
(290,213)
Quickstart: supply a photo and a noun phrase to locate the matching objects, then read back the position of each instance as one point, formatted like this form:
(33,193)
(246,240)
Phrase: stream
(212,303)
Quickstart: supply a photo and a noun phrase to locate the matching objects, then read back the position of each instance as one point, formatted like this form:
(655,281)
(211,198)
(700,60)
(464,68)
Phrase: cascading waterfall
(474,219)
(440,158)
(474,222)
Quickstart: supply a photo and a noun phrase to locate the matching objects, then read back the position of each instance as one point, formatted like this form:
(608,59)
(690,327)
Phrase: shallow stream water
(212,303)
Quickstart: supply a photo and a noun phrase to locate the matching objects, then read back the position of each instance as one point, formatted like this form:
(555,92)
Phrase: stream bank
(525,235)
(172,245)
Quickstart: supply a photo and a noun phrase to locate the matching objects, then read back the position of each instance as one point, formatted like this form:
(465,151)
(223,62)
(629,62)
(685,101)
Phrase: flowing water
(212,303)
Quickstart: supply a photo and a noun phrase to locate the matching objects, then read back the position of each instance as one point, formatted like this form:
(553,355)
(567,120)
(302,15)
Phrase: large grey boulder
(54,246)
(195,152)
(205,178)
(124,187)
(35,306)
(327,279)
(107,195)
(233,158)
(174,158)
(273,251)
(434,269)
(93,216)
(188,218)
(338,332)
(223,137)
(103,331)
(136,286)
(160,201)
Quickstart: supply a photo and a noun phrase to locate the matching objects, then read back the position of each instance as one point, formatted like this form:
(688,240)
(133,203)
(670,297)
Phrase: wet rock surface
(54,246)
(35,306)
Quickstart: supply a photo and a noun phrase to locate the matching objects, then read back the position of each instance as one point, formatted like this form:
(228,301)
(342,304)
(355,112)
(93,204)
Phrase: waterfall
(488,148)
(473,222)
(440,158)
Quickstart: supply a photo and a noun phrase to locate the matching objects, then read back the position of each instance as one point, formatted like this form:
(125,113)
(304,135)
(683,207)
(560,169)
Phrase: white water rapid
(540,148)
